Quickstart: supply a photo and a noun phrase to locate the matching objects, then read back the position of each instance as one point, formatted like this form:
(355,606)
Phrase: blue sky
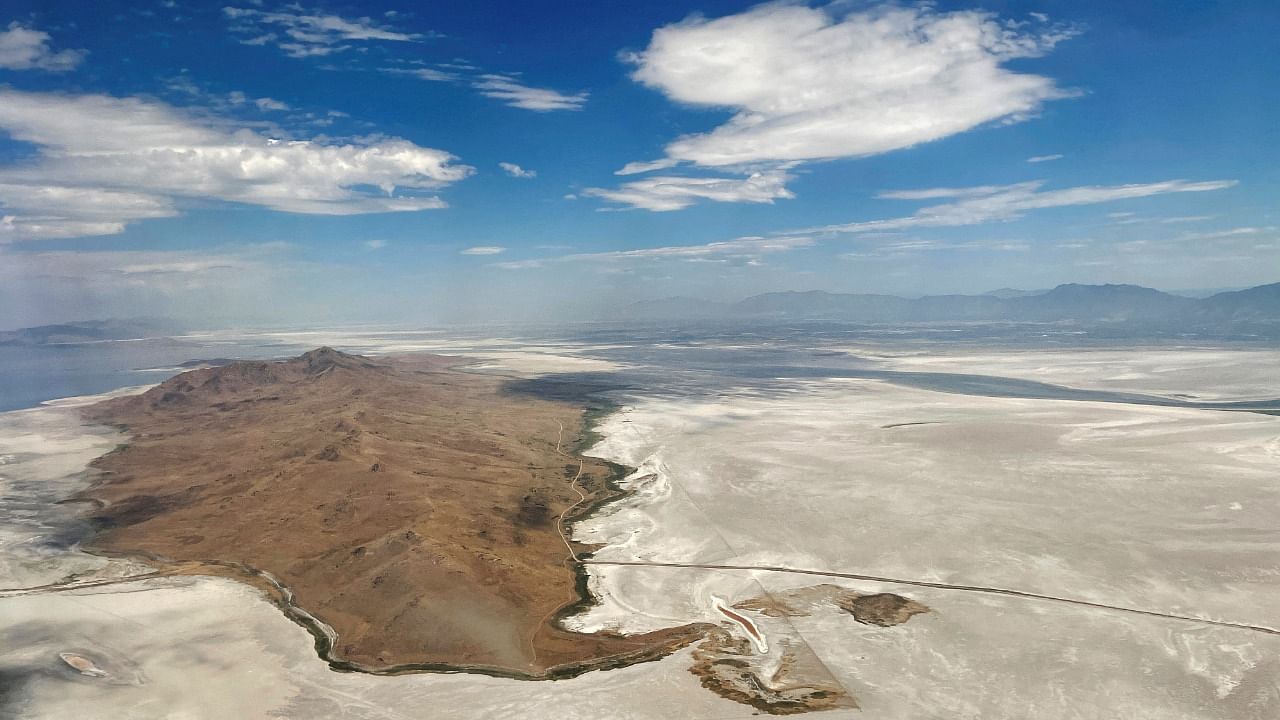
(456,161)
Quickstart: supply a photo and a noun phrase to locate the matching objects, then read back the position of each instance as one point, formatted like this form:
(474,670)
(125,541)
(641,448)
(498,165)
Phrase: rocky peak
(325,358)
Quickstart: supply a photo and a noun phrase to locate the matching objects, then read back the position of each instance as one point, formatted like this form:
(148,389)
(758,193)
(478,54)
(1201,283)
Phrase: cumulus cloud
(59,211)
(516,171)
(994,203)
(302,34)
(805,83)
(664,194)
(195,94)
(484,250)
(513,92)
(103,162)
(25,48)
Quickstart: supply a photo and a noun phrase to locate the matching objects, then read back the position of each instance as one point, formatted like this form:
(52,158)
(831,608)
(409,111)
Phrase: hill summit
(235,378)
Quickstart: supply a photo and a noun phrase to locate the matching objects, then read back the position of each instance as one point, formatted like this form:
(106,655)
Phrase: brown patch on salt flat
(81,664)
(798,682)
(882,609)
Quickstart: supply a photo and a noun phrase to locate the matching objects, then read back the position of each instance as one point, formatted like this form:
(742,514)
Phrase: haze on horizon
(266,162)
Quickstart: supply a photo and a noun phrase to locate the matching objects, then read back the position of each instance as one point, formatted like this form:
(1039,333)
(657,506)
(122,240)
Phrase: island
(409,514)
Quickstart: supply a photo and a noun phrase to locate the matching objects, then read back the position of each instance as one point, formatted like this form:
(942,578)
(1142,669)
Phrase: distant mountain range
(1091,304)
(1255,310)
(88,331)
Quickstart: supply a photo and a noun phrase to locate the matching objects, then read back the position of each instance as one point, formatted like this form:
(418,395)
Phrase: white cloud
(524,264)
(52,211)
(941,193)
(104,161)
(516,171)
(484,250)
(915,246)
(516,94)
(992,203)
(505,87)
(1227,233)
(973,205)
(664,194)
(1045,158)
(374,244)
(641,166)
(161,269)
(266,104)
(302,34)
(741,249)
(807,84)
(212,101)
(1135,219)
(25,48)
(37,287)
(428,74)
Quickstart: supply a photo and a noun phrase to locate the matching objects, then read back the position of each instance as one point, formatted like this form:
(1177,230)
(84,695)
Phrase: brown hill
(413,508)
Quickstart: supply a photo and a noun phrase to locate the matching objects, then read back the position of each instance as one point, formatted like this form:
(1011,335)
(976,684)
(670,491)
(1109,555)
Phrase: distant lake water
(694,356)
(30,375)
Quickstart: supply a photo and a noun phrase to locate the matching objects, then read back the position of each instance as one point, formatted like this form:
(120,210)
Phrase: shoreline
(324,638)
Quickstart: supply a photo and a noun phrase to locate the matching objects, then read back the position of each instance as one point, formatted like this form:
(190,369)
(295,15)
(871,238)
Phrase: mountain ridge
(84,331)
